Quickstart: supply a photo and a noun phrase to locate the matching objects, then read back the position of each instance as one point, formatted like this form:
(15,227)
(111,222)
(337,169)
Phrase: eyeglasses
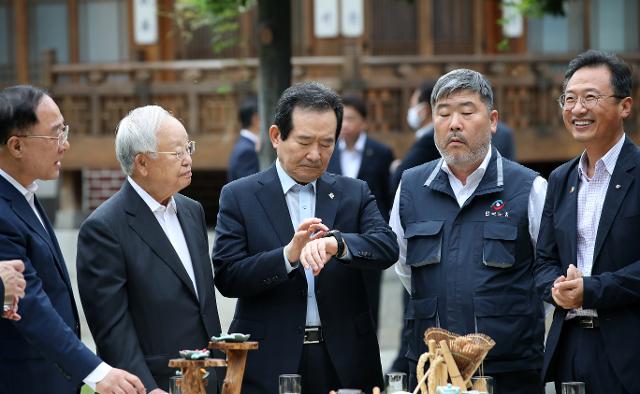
(190,149)
(569,101)
(62,137)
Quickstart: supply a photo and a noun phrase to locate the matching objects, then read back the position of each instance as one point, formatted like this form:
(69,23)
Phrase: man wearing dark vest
(467,224)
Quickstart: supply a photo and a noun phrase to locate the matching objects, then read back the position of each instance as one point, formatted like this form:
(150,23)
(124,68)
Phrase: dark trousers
(581,357)
(401,364)
(516,382)
(318,373)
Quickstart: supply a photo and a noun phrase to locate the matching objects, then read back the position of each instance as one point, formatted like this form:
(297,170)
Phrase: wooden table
(192,383)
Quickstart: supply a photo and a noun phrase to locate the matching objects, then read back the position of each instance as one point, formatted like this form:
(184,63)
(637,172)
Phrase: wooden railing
(205,95)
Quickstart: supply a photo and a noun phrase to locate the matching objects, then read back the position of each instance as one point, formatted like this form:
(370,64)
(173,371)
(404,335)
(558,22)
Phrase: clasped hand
(14,286)
(309,246)
(568,291)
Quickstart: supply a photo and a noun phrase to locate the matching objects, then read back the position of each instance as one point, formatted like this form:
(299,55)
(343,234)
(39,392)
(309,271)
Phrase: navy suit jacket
(42,352)
(253,227)
(613,288)
(243,160)
(139,301)
(374,169)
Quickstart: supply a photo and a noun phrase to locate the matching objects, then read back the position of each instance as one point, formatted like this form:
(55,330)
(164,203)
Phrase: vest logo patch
(496,209)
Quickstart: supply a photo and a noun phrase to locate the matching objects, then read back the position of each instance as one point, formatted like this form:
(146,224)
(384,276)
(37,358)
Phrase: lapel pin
(331,195)
(573,188)
(618,186)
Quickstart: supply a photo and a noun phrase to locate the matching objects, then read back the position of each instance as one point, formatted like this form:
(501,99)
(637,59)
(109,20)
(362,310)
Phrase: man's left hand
(317,253)
(568,294)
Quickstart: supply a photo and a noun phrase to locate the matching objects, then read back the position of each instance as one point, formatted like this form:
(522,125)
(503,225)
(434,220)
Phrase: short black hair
(6,118)
(307,95)
(248,108)
(23,101)
(621,79)
(356,103)
(425,89)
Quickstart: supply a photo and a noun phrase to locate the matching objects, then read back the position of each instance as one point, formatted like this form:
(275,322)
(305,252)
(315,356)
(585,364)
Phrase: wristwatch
(338,236)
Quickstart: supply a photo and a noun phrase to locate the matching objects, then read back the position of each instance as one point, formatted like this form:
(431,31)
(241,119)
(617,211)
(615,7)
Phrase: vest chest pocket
(424,243)
(499,245)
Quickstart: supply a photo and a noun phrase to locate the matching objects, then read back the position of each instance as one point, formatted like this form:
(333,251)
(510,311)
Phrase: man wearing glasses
(144,272)
(588,254)
(42,350)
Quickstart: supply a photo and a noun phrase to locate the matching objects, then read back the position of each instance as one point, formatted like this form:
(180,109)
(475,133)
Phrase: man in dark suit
(41,352)
(359,156)
(300,288)
(244,157)
(588,254)
(144,273)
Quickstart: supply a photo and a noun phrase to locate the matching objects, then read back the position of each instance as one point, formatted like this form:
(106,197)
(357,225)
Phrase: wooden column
(21,40)
(74,41)
(424,14)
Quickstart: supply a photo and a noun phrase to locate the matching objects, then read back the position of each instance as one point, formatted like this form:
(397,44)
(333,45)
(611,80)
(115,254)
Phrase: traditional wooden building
(85,53)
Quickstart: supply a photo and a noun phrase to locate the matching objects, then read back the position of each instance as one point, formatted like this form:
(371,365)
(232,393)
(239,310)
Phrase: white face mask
(415,117)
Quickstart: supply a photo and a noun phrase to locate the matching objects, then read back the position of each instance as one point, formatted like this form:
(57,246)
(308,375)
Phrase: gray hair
(136,133)
(463,79)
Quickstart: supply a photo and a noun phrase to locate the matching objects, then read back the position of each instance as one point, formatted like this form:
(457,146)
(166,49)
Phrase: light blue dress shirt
(301,202)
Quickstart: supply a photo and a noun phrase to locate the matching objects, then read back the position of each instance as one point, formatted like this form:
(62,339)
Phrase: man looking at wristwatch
(300,287)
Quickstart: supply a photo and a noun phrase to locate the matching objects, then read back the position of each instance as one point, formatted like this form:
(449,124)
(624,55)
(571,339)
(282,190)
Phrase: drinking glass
(174,385)
(396,381)
(483,384)
(573,388)
(349,391)
(290,384)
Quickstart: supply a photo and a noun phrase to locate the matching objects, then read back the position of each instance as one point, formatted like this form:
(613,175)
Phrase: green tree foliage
(219,16)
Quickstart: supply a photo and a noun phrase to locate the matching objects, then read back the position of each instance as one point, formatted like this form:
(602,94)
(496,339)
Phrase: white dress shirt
(462,193)
(167,217)
(591,194)
(29,192)
(351,159)
(251,136)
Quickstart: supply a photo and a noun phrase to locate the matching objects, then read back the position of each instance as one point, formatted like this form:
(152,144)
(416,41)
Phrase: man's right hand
(308,230)
(118,381)
(12,278)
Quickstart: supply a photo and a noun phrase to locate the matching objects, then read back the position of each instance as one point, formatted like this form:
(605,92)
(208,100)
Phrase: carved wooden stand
(192,382)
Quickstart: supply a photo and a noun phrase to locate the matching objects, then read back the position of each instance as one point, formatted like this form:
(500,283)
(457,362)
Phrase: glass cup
(290,384)
(396,381)
(573,388)
(483,384)
(349,391)
(174,384)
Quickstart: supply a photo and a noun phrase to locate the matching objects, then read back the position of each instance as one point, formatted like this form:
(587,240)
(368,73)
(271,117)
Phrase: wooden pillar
(74,41)
(424,14)
(21,40)
(478,27)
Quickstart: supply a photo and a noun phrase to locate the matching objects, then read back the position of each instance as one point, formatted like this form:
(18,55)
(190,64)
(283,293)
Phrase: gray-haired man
(467,225)
(144,271)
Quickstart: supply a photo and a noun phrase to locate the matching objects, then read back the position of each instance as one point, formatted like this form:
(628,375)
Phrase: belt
(585,321)
(313,335)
